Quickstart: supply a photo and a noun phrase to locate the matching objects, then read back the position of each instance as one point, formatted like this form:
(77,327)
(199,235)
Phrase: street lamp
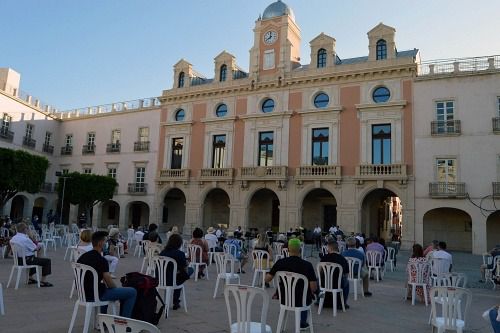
(61,175)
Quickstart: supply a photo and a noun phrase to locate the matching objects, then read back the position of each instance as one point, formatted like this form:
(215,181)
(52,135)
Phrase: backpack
(147,295)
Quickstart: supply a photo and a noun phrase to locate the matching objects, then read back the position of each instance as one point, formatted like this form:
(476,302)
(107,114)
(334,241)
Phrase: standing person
(295,264)
(22,240)
(36,225)
(50,217)
(82,221)
(333,256)
(317,237)
(198,240)
(172,250)
(352,251)
(108,291)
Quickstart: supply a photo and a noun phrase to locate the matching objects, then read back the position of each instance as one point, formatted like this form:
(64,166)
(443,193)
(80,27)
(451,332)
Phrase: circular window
(321,100)
(180,115)
(381,95)
(268,105)
(221,110)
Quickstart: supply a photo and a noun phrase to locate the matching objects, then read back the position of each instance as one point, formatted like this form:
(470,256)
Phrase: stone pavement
(30,309)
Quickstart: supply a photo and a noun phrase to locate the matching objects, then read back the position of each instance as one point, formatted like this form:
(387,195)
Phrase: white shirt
(443,255)
(361,239)
(85,248)
(218,233)
(25,243)
(211,240)
(317,230)
(332,230)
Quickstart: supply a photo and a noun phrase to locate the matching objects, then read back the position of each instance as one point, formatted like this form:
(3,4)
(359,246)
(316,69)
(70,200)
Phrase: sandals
(32,281)
(46,284)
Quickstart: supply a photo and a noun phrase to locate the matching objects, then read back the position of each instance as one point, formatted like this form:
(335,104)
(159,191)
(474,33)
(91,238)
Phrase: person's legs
(113,262)
(366,280)
(493,320)
(345,288)
(303,318)
(482,269)
(125,295)
(45,263)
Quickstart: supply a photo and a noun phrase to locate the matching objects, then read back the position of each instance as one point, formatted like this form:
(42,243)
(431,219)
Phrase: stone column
(97,216)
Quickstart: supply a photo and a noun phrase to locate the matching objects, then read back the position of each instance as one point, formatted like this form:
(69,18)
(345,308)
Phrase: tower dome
(277,9)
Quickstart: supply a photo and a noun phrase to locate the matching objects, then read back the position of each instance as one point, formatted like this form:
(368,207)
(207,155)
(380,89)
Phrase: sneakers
(304,326)
(176,306)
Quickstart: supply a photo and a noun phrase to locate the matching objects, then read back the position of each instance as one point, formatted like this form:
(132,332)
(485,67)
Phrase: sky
(82,53)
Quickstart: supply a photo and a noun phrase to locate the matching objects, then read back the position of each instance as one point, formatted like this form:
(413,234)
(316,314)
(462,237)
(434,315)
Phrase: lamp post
(61,175)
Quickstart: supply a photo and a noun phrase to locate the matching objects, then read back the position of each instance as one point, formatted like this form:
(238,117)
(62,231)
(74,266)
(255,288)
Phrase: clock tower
(276,49)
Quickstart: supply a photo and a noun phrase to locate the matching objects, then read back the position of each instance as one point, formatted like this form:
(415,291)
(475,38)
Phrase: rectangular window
(140,175)
(115,137)
(29,131)
(65,171)
(6,121)
(91,139)
(48,138)
(266,148)
(381,144)
(320,146)
(219,151)
(446,170)
(112,173)
(498,106)
(69,140)
(269,59)
(176,158)
(87,171)
(445,117)
(143,134)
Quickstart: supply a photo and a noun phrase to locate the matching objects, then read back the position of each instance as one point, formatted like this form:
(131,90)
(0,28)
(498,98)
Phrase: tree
(21,172)
(87,190)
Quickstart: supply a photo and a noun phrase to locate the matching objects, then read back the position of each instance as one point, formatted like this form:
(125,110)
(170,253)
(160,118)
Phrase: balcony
(141,146)
(6,135)
(223,174)
(496,125)
(447,190)
(67,150)
(264,173)
(88,149)
(113,148)
(47,188)
(446,127)
(169,175)
(138,188)
(496,190)
(29,142)
(46,148)
(381,171)
(318,172)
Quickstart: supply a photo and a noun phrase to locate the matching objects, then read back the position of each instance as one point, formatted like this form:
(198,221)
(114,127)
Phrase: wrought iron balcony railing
(67,150)
(49,149)
(113,147)
(138,188)
(6,135)
(496,125)
(29,142)
(447,190)
(141,146)
(446,127)
(88,149)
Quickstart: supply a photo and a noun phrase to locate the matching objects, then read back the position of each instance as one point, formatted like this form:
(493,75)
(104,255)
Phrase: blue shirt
(354,254)
(236,243)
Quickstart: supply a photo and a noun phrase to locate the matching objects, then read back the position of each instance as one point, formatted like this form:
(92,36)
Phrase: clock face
(270,37)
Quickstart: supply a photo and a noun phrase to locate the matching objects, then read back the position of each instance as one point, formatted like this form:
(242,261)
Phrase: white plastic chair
(355,275)
(244,297)
(196,261)
(261,265)
(152,251)
(75,254)
(231,251)
(130,237)
(117,324)
(80,271)
(374,262)
(18,252)
(391,256)
(439,266)
(289,281)
(452,300)
(162,264)
(2,306)
(324,250)
(72,240)
(326,271)
(221,260)
(144,248)
(55,234)
(138,245)
(452,280)
(422,275)
(48,238)
(277,246)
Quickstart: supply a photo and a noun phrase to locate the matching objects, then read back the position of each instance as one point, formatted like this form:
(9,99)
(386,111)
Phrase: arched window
(180,115)
(181,80)
(381,49)
(223,73)
(221,110)
(321,58)
(268,105)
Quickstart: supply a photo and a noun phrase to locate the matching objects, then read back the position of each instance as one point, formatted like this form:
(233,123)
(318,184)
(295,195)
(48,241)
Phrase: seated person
(198,240)
(374,245)
(433,246)
(85,243)
(239,252)
(151,227)
(333,256)
(22,240)
(110,253)
(116,238)
(417,256)
(295,264)
(212,240)
(441,253)
(494,318)
(494,252)
(352,251)
(172,250)
(107,288)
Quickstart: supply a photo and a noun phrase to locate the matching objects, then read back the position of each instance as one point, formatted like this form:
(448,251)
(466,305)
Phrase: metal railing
(6,134)
(447,190)
(67,150)
(459,65)
(88,149)
(446,127)
(49,149)
(113,147)
(269,172)
(29,142)
(141,146)
(318,171)
(133,105)
(47,188)
(174,175)
(217,173)
(137,188)
(496,124)
(381,170)
(496,189)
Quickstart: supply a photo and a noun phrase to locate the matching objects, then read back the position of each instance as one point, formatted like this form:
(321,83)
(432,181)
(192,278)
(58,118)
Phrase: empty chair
(244,297)
(232,251)
(287,289)
(18,254)
(221,260)
(452,280)
(391,256)
(144,248)
(117,324)
(439,266)
(152,251)
(138,243)
(261,264)
(71,242)
(75,254)
(455,303)
(130,237)
(375,262)
(195,254)
(79,273)
(418,277)
(355,275)
(277,246)
(164,266)
(324,250)
(326,276)
(2,306)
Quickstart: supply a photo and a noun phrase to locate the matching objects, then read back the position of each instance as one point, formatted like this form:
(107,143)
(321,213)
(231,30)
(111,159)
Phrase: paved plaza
(30,309)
